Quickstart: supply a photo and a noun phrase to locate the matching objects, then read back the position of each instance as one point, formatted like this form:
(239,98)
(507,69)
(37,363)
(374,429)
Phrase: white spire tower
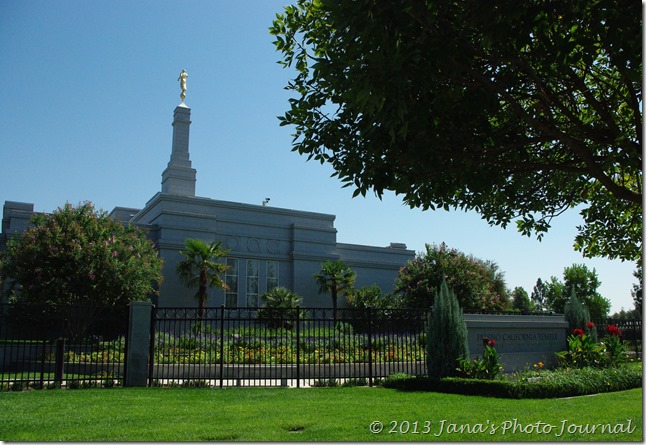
(179,177)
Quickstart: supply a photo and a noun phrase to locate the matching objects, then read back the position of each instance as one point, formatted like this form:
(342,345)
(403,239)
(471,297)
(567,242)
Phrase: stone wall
(522,340)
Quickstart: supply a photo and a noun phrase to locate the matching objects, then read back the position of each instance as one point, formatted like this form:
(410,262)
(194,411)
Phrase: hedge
(552,384)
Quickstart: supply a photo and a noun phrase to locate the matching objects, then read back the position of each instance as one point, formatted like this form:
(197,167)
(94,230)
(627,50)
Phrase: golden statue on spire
(182,83)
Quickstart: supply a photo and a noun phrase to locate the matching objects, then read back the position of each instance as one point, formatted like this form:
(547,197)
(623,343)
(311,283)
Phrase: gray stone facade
(269,246)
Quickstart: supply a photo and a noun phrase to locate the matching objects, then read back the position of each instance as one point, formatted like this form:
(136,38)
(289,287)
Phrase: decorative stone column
(138,343)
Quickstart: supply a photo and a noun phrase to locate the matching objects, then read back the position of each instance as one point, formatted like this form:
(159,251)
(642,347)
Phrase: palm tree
(335,278)
(280,307)
(201,268)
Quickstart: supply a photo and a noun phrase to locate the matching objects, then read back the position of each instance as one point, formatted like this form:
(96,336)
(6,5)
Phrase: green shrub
(582,351)
(615,346)
(344,328)
(352,382)
(201,327)
(552,384)
(394,379)
(488,367)
(18,386)
(371,307)
(280,308)
(186,342)
(578,316)
(446,335)
(195,384)
(372,297)
(323,383)
(576,382)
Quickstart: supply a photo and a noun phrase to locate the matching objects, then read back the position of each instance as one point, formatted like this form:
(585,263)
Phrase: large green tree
(555,296)
(76,256)
(538,296)
(637,291)
(582,281)
(585,282)
(201,268)
(521,300)
(478,284)
(517,110)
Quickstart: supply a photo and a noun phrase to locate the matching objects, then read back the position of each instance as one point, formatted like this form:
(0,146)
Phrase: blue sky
(90,89)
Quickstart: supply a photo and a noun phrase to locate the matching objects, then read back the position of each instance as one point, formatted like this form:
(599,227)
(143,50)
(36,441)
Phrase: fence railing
(44,346)
(71,346)
(631,331)
(288,347)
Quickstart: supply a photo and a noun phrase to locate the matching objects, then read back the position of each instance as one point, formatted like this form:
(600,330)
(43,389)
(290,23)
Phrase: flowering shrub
(613,330)
(78,255)
(476,283)
(528,374)
(583,351)
(615,348)
(487,368)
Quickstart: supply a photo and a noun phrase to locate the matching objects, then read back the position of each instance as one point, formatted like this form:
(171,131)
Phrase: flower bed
(280,346)
(284,347)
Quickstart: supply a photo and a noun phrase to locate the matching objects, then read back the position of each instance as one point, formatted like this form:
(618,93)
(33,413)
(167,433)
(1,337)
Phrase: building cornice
(215,203)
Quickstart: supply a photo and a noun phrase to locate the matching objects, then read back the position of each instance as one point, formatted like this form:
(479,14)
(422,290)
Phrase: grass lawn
(317,414)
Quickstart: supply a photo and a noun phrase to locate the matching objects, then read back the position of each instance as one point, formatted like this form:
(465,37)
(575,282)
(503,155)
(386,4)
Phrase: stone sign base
(521,340)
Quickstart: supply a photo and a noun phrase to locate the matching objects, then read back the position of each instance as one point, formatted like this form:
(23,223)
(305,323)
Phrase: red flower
(613,330)
(578,332)
(590,325)
(488,342)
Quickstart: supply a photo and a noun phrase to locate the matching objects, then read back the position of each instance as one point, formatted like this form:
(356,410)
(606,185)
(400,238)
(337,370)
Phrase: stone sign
(521,340)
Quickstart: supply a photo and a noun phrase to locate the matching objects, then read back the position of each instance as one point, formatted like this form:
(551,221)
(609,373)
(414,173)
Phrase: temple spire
(179,177)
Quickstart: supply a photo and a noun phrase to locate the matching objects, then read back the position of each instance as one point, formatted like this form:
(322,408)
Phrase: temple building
(269,246)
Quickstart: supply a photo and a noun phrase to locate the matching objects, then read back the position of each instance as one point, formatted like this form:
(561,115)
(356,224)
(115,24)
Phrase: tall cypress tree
(446,335)
(578,315)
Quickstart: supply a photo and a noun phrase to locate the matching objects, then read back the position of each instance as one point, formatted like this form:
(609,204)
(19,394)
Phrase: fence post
(151,350)
(60,361)
(369,312)
(221,346)
(298,347)
(138,343)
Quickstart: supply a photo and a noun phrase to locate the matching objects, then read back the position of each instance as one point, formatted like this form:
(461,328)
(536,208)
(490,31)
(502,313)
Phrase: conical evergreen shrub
(446,335)
(578,316)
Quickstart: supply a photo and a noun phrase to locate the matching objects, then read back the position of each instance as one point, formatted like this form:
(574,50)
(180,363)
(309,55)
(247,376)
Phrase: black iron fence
(288,347)
(43,346)
(71,346)
(631,332)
